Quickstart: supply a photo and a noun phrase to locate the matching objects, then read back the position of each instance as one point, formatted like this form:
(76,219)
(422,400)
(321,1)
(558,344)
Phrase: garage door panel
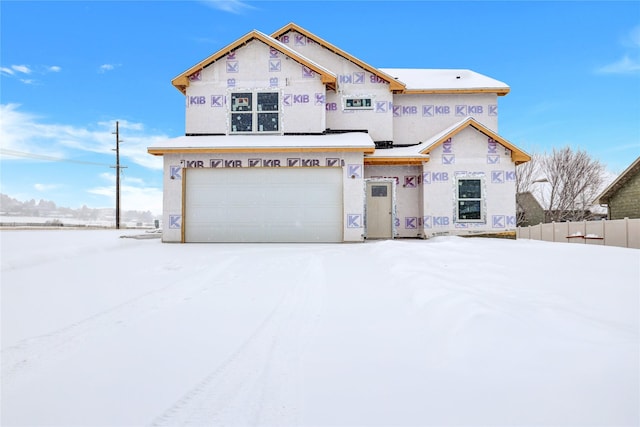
(263,205)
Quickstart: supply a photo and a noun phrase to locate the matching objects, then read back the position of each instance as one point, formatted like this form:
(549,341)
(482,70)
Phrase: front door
(379,210)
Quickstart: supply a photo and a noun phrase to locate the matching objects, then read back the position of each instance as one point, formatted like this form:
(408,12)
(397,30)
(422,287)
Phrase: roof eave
(497,91)
(159,151)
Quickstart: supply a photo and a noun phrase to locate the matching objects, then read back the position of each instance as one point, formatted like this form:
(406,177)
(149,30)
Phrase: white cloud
(54,69)
(231,6)
(45,187)
(134,193)
(27,133)
(624,66)
(106,67)
(629,63)
(6,70)
(21,69)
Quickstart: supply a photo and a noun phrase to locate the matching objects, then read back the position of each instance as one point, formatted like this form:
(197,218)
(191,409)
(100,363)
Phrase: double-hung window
(255,112)
(469,200)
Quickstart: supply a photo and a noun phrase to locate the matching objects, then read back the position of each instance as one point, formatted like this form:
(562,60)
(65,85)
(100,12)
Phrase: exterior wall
(351,164)
(352,81)
(625,203)
(408,191)
(256,66)
(417,118)
(469,154)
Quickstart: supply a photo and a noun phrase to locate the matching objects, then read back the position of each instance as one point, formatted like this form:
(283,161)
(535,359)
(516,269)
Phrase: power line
(15,153)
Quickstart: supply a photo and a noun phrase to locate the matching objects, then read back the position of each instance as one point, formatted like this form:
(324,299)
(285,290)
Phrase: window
(469,200)
(358,104)
(260,116)
(378,191)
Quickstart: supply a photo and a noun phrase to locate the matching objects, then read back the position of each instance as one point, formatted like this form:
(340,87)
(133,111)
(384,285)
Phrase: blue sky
(69,70)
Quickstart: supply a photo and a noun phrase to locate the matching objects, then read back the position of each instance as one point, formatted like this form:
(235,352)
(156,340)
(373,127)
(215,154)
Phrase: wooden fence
(620,232)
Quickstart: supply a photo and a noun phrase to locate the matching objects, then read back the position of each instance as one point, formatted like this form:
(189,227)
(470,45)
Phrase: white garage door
(263,205)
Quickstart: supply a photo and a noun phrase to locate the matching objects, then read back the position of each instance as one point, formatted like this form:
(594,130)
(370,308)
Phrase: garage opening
(263,205)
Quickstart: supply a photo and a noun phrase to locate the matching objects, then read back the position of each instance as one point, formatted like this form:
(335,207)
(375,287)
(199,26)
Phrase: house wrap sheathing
(290,139)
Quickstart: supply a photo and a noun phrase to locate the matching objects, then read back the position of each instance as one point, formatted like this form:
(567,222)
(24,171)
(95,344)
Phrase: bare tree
(527,173)
(574,180)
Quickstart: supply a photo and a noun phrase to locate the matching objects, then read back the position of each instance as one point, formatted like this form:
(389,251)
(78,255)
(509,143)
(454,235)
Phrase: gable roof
(181,82)
(619,182)
(446,81)
(394,84)
(517,155)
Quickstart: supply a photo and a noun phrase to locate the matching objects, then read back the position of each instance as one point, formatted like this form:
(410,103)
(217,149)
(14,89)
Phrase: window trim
(255,112)
(480,200)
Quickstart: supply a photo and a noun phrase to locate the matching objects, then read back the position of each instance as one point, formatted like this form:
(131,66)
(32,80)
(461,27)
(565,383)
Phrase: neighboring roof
(517,155)
(624,177)
(353,141)
(446,81)
(181,82)
(394,84)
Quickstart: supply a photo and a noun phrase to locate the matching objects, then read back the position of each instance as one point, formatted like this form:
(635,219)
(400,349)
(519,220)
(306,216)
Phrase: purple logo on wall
(492,146)
(300,40)
(382,106)
(196,77)
(426,220)
(497,177)
(217,100)
(273,53)
(498,221)
(231,82)
(447,146)
(410,181)
(233,66)
(411,223)
(448,159)
(354,221)
(287,99)
(354,171)
(427,111)
(274,65)
(493,159)
(358,78)
(307,72)
(493,110)
(319,99)
(510,176)
(273,82)
(175,221)
(175,172)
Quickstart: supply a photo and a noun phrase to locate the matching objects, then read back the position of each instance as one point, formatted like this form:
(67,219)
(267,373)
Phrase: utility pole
(118,167)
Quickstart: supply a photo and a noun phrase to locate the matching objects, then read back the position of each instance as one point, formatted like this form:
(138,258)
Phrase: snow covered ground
(104,331)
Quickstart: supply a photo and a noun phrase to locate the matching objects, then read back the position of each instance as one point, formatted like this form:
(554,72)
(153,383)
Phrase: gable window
(254,112)
(469,200)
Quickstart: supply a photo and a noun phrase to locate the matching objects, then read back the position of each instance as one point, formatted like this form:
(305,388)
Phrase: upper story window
(469,200)
(253,112)
(360,103)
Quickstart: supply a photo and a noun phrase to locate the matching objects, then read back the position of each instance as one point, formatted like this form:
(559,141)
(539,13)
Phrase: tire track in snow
(30,355)
(257,383)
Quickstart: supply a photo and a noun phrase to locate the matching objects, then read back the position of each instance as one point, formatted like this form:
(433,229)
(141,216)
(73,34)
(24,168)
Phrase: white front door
(379,210)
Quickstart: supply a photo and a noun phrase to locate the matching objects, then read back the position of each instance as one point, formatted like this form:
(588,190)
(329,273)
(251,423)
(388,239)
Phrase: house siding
(625,203)
(418,117)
